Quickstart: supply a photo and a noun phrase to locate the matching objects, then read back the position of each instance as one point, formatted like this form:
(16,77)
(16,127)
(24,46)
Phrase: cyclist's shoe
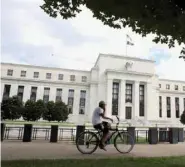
(102,147)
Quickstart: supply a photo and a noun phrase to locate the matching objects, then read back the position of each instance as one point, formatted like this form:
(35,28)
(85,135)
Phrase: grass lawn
(124,162)
(39,123)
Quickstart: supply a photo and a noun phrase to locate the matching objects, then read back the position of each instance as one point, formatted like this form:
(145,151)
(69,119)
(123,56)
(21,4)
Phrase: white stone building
(129,86)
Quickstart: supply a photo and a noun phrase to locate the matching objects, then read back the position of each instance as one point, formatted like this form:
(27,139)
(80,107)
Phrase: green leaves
(165,18)
(11,108)
(182,118)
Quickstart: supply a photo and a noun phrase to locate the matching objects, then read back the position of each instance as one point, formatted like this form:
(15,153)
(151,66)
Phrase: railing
(13,133)
(41,133)
(66,134)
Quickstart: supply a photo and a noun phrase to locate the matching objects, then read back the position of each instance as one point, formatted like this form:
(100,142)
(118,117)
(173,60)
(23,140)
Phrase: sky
(30,36)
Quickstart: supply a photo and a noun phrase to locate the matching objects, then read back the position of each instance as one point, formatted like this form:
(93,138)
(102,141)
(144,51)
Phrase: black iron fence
(141,135)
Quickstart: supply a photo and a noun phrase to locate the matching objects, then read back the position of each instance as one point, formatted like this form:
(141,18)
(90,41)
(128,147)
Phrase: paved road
(44,150)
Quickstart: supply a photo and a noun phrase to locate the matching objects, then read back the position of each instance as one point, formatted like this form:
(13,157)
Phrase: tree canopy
(165,18)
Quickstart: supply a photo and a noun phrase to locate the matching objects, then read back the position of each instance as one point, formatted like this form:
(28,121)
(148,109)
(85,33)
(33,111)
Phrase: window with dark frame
(72,77)
(115,98)
(33,94)
(159,85)
(46,94)
(70,100)
(177,107)
(168,102)
(183,88)
(58,94)
(141,100)
(23,73)
(128,93)
(10,72)
(48,75)
(82,102)
(36,75)
(84,79)
(167,86)
(128,112)
(6,92)
(176,87)
(20,92)
(160,106)
(60,76)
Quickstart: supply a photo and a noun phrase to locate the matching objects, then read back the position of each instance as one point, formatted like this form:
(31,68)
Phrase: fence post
(173,135)
(153,136)
(27,132)
(181,135)
(132,132)
(54,133)
(79,130)
(2,131)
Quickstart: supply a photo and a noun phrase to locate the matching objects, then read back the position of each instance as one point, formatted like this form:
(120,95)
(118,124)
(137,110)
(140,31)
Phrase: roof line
(44,67)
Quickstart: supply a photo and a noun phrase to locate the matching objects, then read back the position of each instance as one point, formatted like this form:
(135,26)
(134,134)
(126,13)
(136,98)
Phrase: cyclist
(98,124)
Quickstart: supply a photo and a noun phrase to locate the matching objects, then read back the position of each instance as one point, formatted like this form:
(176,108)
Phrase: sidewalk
(44,150)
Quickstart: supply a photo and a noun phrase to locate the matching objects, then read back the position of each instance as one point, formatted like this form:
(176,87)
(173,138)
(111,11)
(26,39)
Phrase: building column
(181,105)
(2,90)
(148,100)
(109,98)
(136,100)
(40,93)
(52,94)
(121,107)
(93,101)
(26,93)
(173,110)
(13,90)
(164,107)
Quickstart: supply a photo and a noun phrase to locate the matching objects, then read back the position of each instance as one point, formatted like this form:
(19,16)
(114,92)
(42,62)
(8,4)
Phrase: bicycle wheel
(123,142)
(87,142)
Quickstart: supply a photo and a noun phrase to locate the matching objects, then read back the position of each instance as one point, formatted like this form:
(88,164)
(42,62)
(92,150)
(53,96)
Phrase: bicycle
(85,139)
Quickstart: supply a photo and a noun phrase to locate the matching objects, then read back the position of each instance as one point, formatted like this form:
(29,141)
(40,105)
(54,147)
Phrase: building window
(176,87)
(177,107)
(128,93)
(20,92)
(141,100)
(6,92)
(115,97)
(84,79)
(159,85)
(168,102)
(48,75)
(70,100)
(60,76)
(10,72)
(46,95)
(72,77)
(167,86)
(58,94)
(23,73)
(183,88)
(128,113)
(82,102)
(33,94)
(160,106)
(36,75)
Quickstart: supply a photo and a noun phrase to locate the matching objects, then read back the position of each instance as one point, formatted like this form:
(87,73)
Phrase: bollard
(181,135)
(153,136)
(2,131)
(173,135)
(54,134)
(27,132)
(132,132)
(79,130)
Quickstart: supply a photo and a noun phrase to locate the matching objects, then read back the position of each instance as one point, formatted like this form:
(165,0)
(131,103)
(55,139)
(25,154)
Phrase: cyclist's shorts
(104,126)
